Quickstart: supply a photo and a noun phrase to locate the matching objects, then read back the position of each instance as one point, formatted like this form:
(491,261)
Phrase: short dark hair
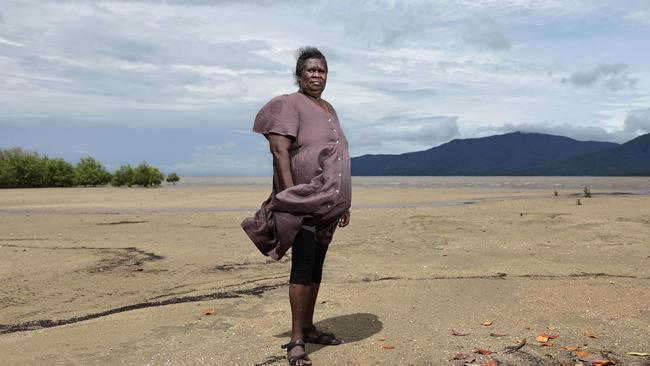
(302,55)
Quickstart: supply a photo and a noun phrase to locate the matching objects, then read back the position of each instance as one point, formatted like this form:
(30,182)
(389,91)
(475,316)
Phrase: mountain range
(515,153)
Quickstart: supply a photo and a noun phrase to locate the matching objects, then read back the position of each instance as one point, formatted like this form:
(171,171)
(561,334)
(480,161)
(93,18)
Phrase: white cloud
(638,17)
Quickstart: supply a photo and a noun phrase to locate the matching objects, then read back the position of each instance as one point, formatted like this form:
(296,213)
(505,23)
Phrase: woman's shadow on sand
(349,328)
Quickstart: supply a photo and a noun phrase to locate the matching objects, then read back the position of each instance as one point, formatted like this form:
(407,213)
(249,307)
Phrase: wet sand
(103,276)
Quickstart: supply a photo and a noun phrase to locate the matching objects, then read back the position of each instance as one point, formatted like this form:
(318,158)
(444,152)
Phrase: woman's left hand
(345,219)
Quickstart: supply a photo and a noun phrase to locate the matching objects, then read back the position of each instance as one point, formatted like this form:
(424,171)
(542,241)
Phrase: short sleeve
(278,116)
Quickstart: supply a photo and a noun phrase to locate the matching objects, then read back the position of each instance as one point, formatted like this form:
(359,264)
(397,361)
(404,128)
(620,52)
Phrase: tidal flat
(165,276)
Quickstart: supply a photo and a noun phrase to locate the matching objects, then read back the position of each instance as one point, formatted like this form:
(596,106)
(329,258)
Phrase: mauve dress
(320,167)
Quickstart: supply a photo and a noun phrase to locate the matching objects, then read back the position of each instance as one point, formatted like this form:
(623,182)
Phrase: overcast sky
(178,83)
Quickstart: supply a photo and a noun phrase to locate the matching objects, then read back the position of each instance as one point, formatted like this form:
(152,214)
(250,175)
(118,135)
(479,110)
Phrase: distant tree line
(26,169)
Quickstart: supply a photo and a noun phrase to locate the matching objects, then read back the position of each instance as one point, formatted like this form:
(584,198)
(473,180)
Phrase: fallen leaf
(465,357)
(381,339)
(545,337)
(581,354)
(208,312)
(570,348)
(387,346)
(598,361)
(458,334)
(547,344)
(492,363)
(137,270)
(638,353)
(498,334)
(487,323)
(590,335)
(482,351)
(604,363)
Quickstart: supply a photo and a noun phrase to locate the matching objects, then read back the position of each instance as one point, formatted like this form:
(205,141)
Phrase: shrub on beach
(26,169)
(123,176)
(58,173)
(20,168)
(90,172)
(142,175)
(173,178)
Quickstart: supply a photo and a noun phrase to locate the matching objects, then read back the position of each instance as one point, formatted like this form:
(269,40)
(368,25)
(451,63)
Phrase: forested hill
(515,153)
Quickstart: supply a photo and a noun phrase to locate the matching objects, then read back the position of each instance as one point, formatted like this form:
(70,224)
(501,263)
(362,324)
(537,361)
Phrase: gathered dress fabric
(321,172)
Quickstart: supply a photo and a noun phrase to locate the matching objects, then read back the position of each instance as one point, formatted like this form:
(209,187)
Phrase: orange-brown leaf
(482,351)
(387,346)
(458,334)
(542,338)
(590,334)
(570,348)
(209,312)
(487,323)
(604,362)
(547,344)
(493,362)
(581,354)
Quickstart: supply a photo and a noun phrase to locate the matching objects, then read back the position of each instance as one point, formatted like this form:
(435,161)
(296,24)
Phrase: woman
(311,193)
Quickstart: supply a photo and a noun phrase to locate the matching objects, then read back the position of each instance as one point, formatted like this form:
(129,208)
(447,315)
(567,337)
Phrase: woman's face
(313,77)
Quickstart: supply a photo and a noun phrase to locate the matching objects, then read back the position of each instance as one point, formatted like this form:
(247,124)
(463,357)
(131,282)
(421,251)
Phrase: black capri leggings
(307,257)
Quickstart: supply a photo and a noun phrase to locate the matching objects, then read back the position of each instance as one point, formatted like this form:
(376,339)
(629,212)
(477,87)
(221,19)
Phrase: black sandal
(325,338)
(294,359)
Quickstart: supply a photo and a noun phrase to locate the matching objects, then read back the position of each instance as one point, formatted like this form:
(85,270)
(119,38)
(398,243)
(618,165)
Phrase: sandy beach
(119,276)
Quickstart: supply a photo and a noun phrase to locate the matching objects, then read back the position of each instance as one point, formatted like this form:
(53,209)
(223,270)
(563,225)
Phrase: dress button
(339,174)
(339,158)
(337,191)
(329,120)
(337,141)
(334,129)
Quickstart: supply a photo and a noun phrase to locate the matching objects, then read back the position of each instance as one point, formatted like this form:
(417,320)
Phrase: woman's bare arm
(279,146)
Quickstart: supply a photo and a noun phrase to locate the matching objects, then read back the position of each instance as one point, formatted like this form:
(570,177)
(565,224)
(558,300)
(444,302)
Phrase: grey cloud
(428,131)
(615,76)
(380,23)
(638,121)
(484,33)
